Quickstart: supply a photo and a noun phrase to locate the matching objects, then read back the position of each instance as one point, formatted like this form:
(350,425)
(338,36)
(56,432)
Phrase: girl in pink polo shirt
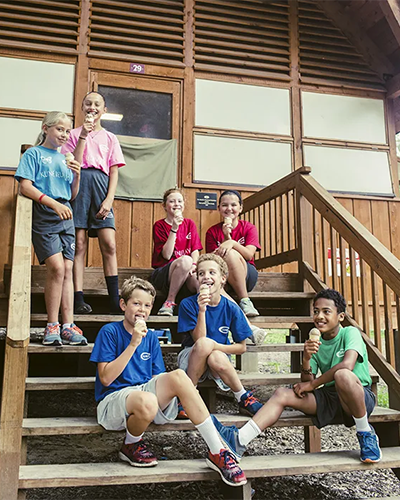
(236,241)
(176,251)
(100,154)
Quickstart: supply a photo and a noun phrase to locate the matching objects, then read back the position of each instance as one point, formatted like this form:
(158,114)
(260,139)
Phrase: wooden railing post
(16,356)
(303,232)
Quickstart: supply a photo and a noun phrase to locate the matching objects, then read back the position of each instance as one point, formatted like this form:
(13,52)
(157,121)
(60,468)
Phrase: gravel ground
(180,445)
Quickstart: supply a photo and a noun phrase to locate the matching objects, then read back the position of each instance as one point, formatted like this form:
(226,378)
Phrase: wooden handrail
(19,305)
(381,260)
(276,189)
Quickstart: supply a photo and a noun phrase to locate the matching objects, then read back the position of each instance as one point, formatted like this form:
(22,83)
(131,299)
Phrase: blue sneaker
(73,335)
(249,405)
(52,335)
(369,444)
(230,438)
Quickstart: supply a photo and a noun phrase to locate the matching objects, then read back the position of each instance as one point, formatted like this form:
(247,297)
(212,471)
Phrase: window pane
(145,114)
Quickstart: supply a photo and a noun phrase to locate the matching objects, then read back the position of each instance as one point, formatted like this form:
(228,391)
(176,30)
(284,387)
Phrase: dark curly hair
(334,295)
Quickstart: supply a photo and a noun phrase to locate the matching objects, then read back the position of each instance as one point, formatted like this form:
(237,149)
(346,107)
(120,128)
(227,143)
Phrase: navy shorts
(160,278)
(252,277)
(50,234)
(330,411)
(93,190)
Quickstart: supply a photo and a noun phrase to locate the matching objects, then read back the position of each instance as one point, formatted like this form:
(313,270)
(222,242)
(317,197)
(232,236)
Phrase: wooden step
(100,474)
(57,426)
(94,278)
(165,321)
(35,348)
(86,383)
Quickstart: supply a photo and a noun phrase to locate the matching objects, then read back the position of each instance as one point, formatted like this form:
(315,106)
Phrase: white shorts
(112,414)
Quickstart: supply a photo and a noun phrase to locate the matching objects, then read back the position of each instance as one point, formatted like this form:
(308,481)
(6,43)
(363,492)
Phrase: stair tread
(89,425)
(85,383)
(67,475)
(108,318)
(36,348)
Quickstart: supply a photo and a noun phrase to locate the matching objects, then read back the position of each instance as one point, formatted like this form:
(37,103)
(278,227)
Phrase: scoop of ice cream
(227,220)
(314,335)
(140,323)
(204,290)
(178,213)
(69,157)
(89,118)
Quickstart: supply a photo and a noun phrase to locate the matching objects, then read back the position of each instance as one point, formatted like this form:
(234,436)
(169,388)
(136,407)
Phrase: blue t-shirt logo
(224,330)
(145,356)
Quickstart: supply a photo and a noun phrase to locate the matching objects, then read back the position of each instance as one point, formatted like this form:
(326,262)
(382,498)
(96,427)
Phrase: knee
(203,347)
(109,248)
(233,257)
(184,263)
(145,406)
(56,271)
(343,378)
(68,269)
(80,245)
(283,395)
(219,362)
(179,378)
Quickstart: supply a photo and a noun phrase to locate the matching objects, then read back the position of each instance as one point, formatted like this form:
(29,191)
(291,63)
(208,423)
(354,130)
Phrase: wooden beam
(393,87)
(391,9)
(278,259)
(364,45)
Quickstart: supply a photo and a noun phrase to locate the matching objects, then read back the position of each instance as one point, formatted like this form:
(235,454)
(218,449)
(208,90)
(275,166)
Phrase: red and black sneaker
(225,463)
(182,415)
(137,454)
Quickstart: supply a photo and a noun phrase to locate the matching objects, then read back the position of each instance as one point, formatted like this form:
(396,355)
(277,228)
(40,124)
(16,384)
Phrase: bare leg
(225,294)
(237,273)
(53,286)
(221,366)
(108,248)
(282,397)
(142,408)
(79,260)
(198,358)
(178,274)
(177,383)
(351,393)
(192,283)
(67,298)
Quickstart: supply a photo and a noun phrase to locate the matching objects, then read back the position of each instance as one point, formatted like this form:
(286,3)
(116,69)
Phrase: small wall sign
(206,201)
(136,68)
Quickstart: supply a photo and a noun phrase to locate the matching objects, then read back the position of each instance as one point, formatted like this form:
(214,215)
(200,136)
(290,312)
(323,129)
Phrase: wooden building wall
(282,44)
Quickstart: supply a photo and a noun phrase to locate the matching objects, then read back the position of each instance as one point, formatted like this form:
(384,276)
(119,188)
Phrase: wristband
(194,264)
(172,231)
(41,197)
(82,138)
(306,371)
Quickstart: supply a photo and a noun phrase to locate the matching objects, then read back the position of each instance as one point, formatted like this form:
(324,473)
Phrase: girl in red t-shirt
(176,251)
(236,241)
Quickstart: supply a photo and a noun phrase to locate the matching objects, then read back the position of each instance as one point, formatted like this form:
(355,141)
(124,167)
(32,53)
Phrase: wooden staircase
(284,300)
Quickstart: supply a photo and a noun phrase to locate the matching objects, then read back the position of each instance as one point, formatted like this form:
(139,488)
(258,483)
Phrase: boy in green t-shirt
(346,395)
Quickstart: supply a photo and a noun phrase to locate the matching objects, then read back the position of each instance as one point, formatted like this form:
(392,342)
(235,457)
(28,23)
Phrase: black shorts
(50,234)
(251,277)
(330,411)
(160,278)
(93,190)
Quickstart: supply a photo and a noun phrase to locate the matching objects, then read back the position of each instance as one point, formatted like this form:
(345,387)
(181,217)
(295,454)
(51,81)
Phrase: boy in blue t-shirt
(346,396)
(133,390)
(206,320)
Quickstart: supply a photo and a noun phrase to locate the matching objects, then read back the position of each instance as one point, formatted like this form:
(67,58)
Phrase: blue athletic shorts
(50,234)
(93,190)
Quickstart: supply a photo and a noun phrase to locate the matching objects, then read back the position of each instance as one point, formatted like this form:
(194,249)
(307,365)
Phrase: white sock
(52,324)
(248,432)
(129,439)
(239,394)
(210,435)
(66,325)
(362,424)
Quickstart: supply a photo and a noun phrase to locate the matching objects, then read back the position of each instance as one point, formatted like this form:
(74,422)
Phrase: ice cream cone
(140,323)
(69,157)
(204,290)
(178,213)
(314,335)
(227,220)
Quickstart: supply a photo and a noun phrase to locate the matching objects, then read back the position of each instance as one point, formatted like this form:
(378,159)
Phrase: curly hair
(331,294)
(223,266)
(132,284)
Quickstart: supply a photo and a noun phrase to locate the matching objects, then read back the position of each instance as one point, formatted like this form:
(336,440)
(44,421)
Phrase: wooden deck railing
(299,221)
(16,355)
